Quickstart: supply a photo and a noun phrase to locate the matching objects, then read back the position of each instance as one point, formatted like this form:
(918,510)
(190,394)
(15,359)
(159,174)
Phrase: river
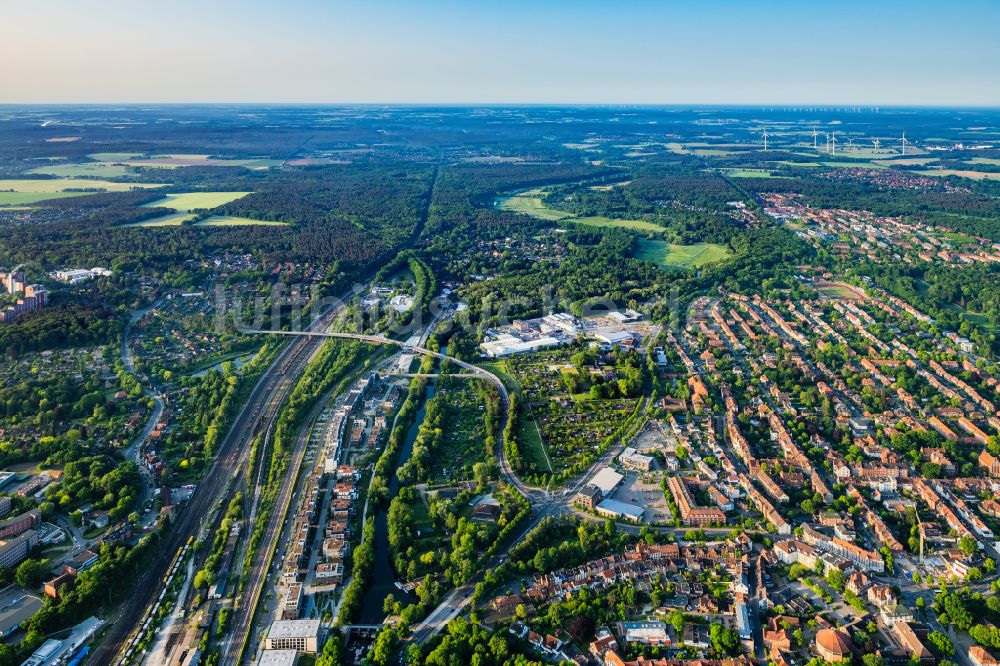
(383,580)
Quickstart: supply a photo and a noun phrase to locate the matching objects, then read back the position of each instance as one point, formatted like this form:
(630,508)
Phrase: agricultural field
(670,255)
(984,160)
(974,175)
(22,198)
(21,192)
(82,170)
(187,202)
(80,185)
(907,161)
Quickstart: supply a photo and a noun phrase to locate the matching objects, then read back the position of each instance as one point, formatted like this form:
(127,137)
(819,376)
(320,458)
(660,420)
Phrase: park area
(671,255)
(532,203)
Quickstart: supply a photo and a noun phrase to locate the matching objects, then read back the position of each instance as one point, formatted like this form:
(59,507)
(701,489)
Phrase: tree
(724,640)
(941,643)
(873,660)
(968,545)
(31,573)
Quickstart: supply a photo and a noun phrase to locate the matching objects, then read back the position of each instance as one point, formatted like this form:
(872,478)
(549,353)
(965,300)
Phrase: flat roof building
(615,509)
(608,481)
(278,658)
(297,635)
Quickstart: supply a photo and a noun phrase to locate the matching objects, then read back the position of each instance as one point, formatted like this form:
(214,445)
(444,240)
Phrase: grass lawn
(189,201)
(679,256)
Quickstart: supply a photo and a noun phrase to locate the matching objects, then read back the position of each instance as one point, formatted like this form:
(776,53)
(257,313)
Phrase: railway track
(260,412)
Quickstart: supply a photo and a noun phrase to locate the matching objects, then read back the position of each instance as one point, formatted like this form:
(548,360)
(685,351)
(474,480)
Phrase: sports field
(670,255)
(840,290)
(190,201)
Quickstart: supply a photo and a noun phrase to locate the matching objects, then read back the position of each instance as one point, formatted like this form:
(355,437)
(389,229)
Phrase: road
(531,493)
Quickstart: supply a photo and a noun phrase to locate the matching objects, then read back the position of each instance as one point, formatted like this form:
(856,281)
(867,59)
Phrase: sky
(878,52)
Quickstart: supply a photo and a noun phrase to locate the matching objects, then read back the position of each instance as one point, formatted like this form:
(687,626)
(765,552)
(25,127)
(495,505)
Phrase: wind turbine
(903,142)
(765,139)
(850,143)
(814,138)
(833,143)
(875,142)
(827,142)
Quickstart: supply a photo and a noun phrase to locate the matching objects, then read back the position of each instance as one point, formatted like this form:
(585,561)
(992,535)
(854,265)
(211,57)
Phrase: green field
(168,220)
(230,221)
(670,255)
(974,175)
(907,161)
(190,201)
(601,221)
(853,165)
(83,169)
(21,198)
(984,160)
(61,185)
(530,203)
(177,219)
(751,173)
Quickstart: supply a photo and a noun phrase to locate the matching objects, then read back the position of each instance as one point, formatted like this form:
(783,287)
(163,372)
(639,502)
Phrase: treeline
(362,564)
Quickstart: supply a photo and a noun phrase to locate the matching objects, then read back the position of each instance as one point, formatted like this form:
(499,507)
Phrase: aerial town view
(354,336)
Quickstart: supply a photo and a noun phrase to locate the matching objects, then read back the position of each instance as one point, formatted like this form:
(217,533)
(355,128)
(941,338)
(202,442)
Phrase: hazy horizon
(444,52)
